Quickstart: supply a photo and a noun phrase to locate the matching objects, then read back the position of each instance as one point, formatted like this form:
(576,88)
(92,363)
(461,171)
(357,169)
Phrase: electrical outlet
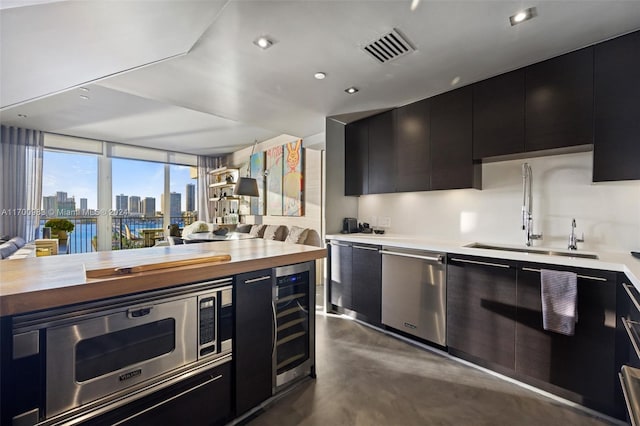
(384,221)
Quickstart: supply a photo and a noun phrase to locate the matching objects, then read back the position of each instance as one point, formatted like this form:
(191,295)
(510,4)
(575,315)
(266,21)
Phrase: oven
(109,351)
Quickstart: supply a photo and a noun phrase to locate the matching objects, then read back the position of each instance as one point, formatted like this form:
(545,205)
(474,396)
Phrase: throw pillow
(257,231)
(18,241)
(7,249)
(197,226)
(271,232)
(297,235)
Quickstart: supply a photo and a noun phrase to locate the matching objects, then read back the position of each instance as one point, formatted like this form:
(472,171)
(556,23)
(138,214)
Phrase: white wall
(607,213)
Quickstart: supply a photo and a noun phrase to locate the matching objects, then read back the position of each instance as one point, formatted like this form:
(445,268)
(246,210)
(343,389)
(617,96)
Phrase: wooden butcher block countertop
(46,282)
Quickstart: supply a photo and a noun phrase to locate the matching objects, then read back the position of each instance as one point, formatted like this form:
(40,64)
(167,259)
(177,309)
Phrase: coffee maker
(349,225)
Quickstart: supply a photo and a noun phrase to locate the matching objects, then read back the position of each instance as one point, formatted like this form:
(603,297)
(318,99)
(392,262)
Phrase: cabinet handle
(255,280)
(275,330)
(333,243)
(627,288)
(586,277)
(159,404)
(366,248)
(627,327)
(476,262)
(414,256)
(627,402)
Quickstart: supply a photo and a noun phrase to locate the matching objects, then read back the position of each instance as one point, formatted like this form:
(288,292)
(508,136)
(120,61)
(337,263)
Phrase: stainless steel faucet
(527,204)
(573,240)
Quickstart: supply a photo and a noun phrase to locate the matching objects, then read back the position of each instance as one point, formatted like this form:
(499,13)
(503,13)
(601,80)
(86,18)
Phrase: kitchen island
(143,341)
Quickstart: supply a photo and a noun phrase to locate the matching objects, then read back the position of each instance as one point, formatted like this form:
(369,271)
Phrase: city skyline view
(77,175)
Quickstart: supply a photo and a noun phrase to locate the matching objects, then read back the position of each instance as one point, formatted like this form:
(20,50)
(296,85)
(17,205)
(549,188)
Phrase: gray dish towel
(559,291)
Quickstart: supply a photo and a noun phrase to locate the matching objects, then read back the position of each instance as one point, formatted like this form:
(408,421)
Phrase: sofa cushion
(7,249)
(18,241)
(257,231)
(275,232)
(297,235)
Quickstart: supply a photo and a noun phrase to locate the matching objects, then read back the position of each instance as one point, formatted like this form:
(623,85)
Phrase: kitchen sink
(533,251)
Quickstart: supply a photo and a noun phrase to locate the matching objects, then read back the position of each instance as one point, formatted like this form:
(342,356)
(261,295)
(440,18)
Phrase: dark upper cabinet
(253,344)
(498,115)
(451,141)
(481,310)
(382,164)
(559,101)
(583,363)
(356,158)
(367,282)
(617,115)
(413,147)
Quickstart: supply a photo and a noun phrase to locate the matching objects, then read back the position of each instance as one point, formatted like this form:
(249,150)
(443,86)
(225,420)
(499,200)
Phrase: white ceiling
(184,74)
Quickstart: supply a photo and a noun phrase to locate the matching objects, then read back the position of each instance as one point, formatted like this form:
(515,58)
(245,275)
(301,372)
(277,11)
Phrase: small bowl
(379,231)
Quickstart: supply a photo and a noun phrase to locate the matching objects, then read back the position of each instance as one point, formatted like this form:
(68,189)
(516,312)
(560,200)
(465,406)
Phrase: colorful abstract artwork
(292,182)
(257,172)
(273,168)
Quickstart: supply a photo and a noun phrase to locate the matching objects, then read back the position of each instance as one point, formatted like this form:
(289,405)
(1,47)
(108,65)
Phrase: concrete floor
(365,377)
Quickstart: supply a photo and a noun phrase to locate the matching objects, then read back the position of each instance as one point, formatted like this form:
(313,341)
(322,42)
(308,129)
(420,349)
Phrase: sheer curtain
(205,165)
(20,181)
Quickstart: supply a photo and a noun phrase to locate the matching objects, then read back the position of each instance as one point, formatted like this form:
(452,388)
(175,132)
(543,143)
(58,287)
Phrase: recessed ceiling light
(351,90)
(263,42)
(22,116)
(84,97)
(320,76)
(414,4)
(523,15)
(455,80)
(84,89)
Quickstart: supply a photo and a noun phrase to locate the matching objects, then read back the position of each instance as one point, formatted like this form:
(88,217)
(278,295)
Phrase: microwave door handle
(139,312)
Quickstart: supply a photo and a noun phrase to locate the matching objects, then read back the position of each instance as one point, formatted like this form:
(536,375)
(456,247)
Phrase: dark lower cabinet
(559,101)
(451,123)
(583,363)
(254,339)
(481,311)
(203,400)
(340,273)
(355,272)
(617,118)
(367,282)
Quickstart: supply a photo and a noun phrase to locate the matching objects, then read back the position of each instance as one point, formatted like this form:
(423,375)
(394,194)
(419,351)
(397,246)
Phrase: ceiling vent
(389,47)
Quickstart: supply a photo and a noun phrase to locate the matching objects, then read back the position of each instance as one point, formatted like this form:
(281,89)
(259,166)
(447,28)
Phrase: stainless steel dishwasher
(414,290)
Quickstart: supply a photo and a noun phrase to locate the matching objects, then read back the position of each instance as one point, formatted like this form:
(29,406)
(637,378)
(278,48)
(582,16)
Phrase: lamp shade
(247,186)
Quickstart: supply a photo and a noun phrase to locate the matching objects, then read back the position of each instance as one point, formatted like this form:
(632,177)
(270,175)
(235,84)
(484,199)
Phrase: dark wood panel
(616,153)
(559,101)
(583,363)
(382,163)
(367,282)
(356,158)
(498,115)
(481,309)
(413,147)
(340,263)
(451,140)
(253,342)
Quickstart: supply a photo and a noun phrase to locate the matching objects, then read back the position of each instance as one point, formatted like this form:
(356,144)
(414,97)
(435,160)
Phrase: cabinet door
(255,329)
(583,363)
(481,310)
(340,258)
(617,120)
(356,158)
(367,281)
(382,163)
(498,115)
(559,101)
(451,141)
(413,147)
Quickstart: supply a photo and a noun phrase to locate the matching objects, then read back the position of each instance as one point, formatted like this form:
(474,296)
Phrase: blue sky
(77,175)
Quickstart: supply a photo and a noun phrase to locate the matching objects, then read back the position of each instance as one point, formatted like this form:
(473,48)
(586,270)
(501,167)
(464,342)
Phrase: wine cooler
(294,310)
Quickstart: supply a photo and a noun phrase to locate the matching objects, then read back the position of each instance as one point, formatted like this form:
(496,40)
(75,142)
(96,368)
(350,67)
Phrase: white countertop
(609,261)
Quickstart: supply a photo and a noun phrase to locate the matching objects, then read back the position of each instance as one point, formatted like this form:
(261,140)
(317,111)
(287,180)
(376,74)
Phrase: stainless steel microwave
(104,351)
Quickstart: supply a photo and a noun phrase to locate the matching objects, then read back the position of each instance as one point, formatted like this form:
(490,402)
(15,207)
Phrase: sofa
(292,234)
